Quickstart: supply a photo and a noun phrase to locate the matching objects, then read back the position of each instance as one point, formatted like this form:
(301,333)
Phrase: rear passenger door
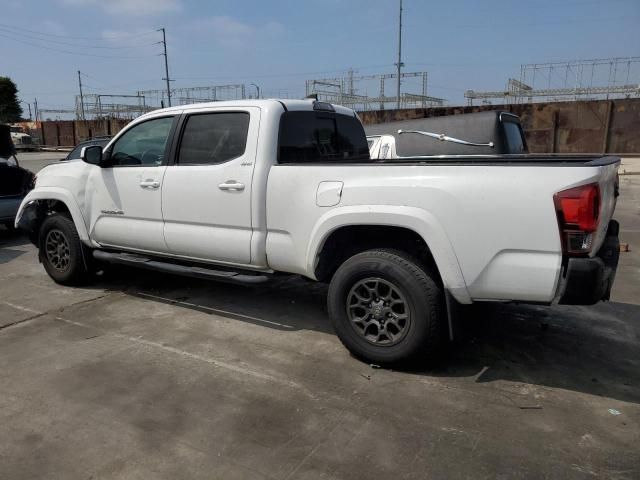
(206,194)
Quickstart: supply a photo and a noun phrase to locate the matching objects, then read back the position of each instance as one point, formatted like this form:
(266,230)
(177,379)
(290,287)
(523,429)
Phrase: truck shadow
(287,303)
(8,240)
(594,350)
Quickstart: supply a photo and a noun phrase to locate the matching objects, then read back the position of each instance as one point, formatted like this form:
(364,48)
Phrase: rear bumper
(586,281)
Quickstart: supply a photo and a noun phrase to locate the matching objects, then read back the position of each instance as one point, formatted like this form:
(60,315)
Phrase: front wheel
(62,253)
(387,308)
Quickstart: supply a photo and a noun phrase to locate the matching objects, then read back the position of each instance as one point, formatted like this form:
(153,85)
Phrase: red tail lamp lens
(579,208)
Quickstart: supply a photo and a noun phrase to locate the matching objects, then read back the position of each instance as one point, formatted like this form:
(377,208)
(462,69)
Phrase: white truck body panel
(462,212)
(222,234)
(489,227)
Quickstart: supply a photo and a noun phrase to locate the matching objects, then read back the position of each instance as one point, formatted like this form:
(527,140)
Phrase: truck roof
(289,104)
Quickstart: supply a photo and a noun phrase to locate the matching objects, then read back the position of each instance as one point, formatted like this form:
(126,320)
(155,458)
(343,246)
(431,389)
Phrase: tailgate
(609,192)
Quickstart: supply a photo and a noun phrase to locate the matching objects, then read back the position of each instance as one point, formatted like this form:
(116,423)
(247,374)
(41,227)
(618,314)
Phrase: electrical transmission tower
(577,80)
(342,91)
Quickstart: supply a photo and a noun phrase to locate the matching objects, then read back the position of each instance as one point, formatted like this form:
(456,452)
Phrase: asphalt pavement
(36,161)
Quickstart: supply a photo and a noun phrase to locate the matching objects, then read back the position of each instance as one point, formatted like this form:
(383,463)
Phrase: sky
(278,44)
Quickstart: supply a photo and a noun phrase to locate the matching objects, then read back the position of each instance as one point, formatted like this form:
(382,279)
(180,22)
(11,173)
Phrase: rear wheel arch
(346,241)
(422,226)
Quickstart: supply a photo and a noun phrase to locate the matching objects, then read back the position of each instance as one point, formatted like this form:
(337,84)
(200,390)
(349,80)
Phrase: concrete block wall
(598,126)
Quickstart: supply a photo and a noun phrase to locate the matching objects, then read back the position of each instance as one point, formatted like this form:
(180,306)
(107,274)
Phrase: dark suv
(15,181)
(75,153)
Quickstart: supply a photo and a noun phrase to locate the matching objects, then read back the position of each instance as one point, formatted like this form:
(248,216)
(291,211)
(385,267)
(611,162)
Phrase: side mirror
(92,154)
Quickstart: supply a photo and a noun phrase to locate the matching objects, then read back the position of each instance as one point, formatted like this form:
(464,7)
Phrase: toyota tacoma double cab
(240,191)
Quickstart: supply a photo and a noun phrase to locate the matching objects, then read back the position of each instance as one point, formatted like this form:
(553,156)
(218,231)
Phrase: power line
(124,35)
(279,75)
(519,24)
(71,52)
(75,44)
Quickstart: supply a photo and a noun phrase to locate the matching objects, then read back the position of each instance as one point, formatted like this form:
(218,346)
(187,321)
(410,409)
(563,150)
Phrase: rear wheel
(387,309)
(62,252)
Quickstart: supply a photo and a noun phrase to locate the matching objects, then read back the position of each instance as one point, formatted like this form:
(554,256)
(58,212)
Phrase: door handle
(149,184)
(231,185)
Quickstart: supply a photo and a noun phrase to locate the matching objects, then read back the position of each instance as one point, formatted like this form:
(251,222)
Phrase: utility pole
(35,108)
(28,105)
(81,96)
(399,64)
(166,64)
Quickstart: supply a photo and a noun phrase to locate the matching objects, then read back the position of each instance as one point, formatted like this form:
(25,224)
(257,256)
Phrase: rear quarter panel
(492,229)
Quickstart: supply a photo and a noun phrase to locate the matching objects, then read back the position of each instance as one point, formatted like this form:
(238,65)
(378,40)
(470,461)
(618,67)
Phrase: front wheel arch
(49,200)
(36,212)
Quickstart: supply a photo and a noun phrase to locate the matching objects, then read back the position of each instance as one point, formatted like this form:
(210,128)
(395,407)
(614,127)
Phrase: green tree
(10,109)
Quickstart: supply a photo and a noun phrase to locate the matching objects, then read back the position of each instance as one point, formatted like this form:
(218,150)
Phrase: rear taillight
(578,211)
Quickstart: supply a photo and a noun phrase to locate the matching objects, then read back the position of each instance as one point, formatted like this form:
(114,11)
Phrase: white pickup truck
(239,191)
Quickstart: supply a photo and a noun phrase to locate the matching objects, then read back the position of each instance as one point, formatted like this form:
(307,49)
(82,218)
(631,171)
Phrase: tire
(62,254)
(375,330)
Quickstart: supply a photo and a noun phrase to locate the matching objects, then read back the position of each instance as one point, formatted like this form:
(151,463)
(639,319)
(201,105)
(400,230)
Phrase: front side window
(212,138)
(143,144)
(316,137)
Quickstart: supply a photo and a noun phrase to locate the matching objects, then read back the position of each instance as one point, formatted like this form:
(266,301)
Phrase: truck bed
(489,226)
(528,159)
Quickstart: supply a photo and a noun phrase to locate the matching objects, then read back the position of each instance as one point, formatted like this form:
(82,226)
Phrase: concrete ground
(154,376)
(36,161)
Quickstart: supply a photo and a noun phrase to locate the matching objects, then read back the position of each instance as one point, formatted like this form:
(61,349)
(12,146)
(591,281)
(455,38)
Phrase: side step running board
(185,270)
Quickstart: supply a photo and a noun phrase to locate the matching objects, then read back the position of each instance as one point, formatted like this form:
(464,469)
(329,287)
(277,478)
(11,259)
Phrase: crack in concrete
(38,314)
(13,324)
(216,363)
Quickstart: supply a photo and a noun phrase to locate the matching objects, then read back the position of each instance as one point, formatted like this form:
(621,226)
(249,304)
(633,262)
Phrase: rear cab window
(321,137)
(213,138)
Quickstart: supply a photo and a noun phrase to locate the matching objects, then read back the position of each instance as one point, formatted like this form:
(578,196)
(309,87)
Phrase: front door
(125,196)
(206,194)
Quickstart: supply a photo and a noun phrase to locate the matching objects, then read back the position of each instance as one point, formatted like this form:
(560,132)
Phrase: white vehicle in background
(21,140)
(382,146)
(240,191)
